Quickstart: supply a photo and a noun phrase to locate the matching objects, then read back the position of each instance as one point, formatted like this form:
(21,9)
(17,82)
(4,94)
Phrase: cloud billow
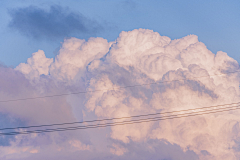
(180,72)
(55,23)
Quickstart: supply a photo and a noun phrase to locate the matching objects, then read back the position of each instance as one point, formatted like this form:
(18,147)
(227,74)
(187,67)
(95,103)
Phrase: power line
(109,124)
(127,122)
(118,118)
(83,92)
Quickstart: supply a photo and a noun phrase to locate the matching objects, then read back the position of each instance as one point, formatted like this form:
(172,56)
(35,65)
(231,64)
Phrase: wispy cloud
(58,22)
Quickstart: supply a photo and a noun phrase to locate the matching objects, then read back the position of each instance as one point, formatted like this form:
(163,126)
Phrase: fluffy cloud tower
(184,75)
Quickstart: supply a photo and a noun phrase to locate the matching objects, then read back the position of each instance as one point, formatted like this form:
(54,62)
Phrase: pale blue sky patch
(214,22)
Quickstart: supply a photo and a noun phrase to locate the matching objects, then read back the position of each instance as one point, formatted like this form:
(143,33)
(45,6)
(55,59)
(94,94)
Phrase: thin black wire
(139,119)
(108,119)
(81,92)
(120,123)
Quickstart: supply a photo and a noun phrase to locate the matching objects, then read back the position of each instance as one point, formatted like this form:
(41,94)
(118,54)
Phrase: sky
(77,61)
(214,22)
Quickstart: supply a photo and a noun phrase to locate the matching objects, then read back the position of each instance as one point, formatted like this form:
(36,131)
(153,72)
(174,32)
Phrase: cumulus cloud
(136,57)
(55,23)
(37,65)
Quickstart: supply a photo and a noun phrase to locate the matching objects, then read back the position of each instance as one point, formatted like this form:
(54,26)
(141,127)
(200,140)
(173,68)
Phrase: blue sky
(216,23)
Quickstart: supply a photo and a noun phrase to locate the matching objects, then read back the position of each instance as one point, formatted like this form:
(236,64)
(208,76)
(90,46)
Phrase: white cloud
(136,57)
(37,65)
(74,56)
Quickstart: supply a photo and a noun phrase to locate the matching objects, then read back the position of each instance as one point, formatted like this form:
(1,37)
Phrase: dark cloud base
(160,150)
(55,23)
